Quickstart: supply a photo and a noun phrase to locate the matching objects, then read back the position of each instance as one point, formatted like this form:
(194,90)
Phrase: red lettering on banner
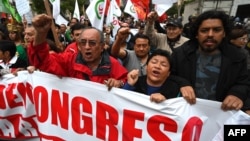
(106,116)
(14,94)
(193,124)
(79,106)
(15,126)
(28,127)
(13,99)
(41,103)
(2,103)
(153,127)
(128,126)
(60,110)
(7,128)
(25,90)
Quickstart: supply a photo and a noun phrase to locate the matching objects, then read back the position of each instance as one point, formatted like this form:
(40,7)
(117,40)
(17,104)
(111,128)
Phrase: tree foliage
(174,9)
(38,6)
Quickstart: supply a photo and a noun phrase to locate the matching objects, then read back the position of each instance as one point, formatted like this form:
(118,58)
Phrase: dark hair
(236,33)
(211,14)
(76,26)
(10,46)
(58,26)
(52,46)
(2,35)
(74,19)
(143,36)
(161,52)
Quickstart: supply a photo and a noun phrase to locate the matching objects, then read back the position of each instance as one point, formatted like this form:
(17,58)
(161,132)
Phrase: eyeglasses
(84,42)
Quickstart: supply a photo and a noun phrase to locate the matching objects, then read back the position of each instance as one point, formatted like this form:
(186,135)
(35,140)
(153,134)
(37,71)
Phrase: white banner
(74,109)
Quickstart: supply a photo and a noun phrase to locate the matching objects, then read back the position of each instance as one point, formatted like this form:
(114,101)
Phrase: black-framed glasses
(91,43)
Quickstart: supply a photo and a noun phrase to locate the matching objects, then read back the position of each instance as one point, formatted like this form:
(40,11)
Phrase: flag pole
(151,5)
(53,28)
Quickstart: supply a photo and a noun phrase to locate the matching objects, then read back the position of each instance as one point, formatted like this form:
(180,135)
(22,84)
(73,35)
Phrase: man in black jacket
(216,70)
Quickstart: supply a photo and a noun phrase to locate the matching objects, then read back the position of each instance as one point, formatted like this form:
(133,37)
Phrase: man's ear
(79,48)
(71,36)
(102,45)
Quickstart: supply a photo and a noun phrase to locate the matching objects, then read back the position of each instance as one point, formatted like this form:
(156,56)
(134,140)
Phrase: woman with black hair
(9,61)
(157,83)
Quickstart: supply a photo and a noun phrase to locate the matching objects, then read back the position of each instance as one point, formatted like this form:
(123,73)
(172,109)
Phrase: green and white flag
(129,9)
(3,8)
(162,8)
(12,10)
(96,17)
(114,12)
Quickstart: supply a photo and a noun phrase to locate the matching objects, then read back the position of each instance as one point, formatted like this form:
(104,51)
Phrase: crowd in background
(138,56)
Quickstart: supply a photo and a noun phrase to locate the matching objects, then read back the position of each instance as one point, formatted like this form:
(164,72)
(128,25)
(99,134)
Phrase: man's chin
(208,49)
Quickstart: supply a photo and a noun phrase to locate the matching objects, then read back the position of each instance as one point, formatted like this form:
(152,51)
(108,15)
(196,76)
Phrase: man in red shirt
(91,62)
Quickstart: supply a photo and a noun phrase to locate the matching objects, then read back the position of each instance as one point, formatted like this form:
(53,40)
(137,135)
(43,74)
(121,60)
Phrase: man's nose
(210,32)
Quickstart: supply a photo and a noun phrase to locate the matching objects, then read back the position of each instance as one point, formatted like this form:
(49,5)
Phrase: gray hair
(99,32)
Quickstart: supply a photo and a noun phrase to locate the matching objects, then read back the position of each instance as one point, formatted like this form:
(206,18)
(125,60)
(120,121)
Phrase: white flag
(61,20)
(22,7)
(76,11)
(95,13)
(114,12)
(163,1)
(129,8)
(56,8)
(162,8)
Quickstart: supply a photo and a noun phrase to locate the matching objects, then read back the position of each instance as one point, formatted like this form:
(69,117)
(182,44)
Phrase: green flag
(3,9)
(12,10)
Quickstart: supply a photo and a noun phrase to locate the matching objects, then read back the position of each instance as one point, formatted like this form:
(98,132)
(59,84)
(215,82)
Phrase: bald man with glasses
(91,62)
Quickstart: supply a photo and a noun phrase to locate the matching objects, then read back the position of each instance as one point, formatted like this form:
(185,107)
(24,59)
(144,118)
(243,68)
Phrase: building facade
(238,8)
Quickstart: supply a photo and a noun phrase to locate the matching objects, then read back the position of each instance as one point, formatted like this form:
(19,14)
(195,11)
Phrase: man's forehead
(89,37)
(212,21)
(30,28)
(90,32)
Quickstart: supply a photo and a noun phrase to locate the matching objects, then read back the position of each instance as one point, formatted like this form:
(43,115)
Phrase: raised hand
(42,24)
(133,77)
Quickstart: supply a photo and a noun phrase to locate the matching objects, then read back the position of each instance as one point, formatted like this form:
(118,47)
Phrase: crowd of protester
(207,57)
